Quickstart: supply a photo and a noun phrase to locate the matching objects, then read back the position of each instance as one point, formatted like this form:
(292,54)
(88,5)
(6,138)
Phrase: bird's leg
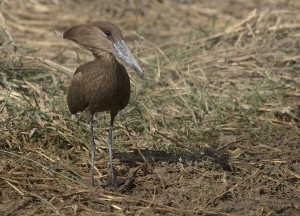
(109,143)
(93,147)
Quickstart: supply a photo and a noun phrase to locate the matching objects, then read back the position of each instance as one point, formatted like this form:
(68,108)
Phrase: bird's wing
(76,94)
(123,88)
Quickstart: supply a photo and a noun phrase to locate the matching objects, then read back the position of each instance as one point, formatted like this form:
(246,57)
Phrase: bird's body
(102,84)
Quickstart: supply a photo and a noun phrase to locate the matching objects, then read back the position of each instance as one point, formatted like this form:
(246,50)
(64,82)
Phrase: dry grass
(213,129)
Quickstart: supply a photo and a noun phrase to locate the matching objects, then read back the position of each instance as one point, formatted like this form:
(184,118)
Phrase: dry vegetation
(213,129)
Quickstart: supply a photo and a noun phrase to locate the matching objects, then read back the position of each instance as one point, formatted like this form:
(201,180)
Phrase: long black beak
(124,53)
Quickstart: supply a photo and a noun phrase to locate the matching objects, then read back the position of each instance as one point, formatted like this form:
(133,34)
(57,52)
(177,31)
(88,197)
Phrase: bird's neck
(102,53)
(104,57)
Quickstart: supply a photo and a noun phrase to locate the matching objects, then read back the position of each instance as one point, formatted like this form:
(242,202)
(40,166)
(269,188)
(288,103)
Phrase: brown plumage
(102,84)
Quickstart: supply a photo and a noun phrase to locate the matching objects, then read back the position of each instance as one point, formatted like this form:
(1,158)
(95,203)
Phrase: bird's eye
(108,33)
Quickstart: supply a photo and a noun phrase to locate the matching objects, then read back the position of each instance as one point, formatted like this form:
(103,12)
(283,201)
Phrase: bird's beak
(124,53)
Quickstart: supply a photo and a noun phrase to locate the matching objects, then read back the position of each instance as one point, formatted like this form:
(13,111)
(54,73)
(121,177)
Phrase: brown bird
(102,84)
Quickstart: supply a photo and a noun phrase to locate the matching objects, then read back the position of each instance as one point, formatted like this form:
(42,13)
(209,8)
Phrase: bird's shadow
(138,158)
(131,159)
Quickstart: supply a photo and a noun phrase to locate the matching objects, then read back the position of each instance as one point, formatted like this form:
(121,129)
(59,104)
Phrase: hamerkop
(102,84)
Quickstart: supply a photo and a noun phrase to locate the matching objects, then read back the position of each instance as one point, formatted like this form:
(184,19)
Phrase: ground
(212,129)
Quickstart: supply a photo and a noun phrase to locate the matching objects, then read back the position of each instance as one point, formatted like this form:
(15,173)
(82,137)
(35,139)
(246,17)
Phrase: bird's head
(102,36)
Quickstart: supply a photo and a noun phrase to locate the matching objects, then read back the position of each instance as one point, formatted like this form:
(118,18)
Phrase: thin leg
(93,147)
(109,143)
